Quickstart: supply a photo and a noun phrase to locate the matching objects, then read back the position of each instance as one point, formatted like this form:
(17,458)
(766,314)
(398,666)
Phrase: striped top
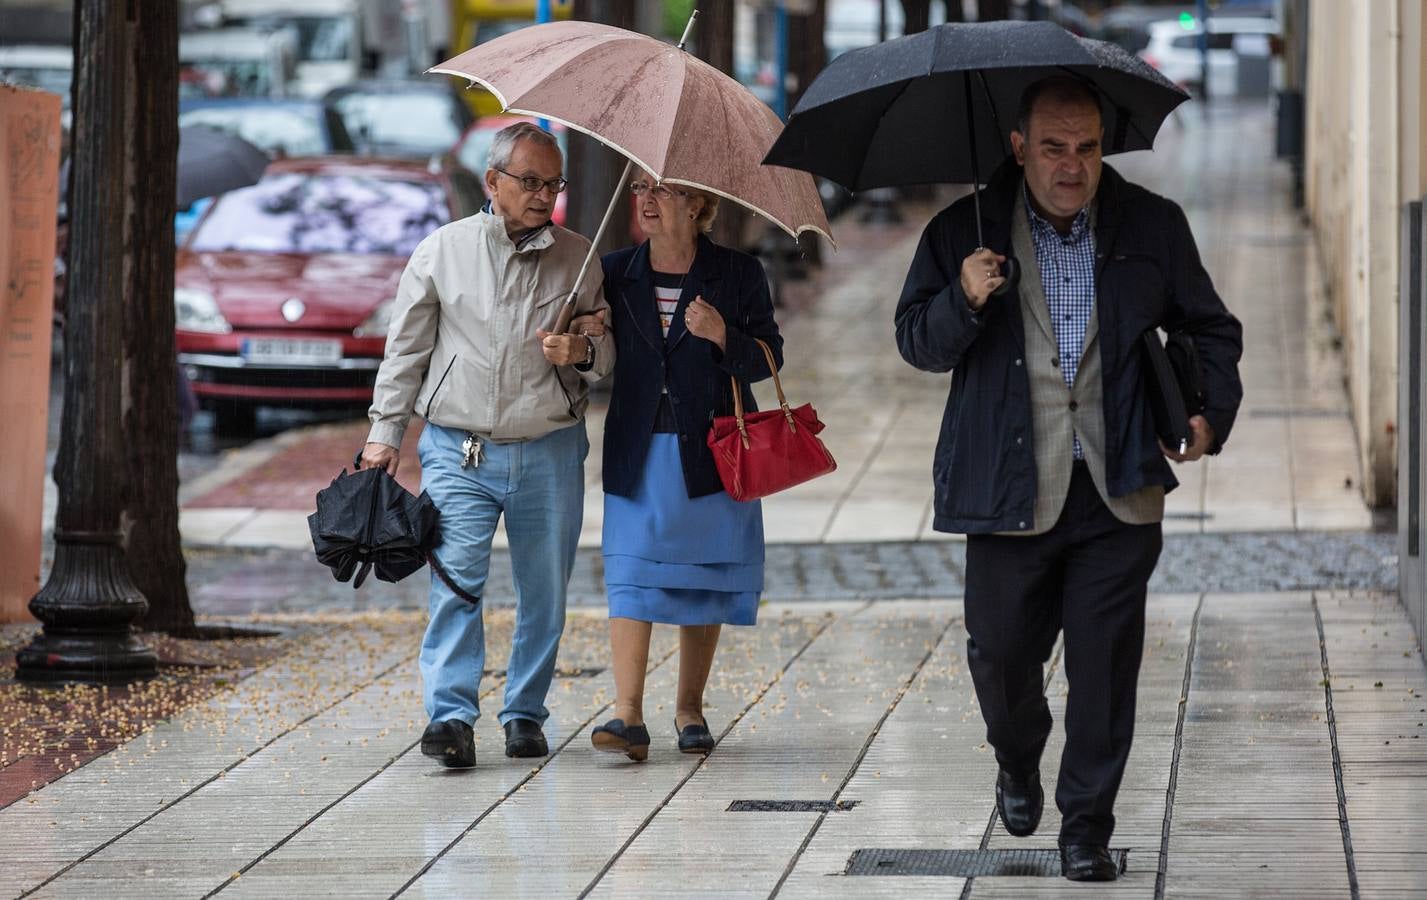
(667,287)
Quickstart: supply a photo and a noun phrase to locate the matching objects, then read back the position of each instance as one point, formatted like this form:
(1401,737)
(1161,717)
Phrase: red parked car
(284,288)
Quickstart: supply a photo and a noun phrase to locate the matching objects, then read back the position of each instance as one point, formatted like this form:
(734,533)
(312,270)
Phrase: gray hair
(1057,89)
(503,144)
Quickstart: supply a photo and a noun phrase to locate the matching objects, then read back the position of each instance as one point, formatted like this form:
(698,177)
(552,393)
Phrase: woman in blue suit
(677,549)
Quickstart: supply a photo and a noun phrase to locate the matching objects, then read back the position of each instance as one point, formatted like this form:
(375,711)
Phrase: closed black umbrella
(211,162)
(367,521)
(939,106)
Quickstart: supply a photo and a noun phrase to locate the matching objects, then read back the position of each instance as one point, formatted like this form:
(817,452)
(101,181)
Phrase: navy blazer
(694,370)
(1147,274)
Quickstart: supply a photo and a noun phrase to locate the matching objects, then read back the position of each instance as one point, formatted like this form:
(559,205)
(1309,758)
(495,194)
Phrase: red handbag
(766,452)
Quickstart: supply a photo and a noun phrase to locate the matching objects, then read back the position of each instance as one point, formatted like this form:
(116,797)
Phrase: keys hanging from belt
(470,452)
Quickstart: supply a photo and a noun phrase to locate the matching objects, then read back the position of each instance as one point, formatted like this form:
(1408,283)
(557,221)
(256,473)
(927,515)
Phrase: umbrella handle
(567,310)
(1012,268)
(357,461)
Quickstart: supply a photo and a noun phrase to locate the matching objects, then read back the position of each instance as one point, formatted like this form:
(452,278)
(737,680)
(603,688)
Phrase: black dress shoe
(523,738)
(451,742)
(1087,862)
(695,737)
(1019,801)
(616,737)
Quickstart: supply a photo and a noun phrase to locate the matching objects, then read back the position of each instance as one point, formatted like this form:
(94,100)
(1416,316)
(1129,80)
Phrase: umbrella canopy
(910,110)
(366,520)
(672,114)
(211,162)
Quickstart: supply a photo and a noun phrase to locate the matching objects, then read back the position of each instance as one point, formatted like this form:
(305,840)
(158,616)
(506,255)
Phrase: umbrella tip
(688,28)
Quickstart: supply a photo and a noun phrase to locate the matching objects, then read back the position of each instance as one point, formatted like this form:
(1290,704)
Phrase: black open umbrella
(367,521)
(212,162)
(939,106)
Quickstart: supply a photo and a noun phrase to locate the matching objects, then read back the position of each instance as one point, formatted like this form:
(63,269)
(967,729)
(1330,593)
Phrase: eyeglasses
(532,184)
(639,188)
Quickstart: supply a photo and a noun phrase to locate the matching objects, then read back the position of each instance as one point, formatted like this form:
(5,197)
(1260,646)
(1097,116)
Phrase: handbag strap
(777,386)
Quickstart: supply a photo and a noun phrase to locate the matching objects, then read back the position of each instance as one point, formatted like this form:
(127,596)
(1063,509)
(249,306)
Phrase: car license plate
(291,351)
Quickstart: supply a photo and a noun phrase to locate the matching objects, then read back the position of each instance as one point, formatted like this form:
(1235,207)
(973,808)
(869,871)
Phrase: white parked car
(1173,48)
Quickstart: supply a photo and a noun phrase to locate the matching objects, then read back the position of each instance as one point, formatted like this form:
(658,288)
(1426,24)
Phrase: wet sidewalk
(1279,743)
(1291,463)
(1279,753)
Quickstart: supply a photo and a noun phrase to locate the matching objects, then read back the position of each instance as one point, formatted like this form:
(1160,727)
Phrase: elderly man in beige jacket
(470,349)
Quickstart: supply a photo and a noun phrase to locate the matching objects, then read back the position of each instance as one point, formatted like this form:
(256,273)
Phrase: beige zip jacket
(461,350)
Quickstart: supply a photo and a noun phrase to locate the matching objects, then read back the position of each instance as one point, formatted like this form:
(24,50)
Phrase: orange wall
(29,181)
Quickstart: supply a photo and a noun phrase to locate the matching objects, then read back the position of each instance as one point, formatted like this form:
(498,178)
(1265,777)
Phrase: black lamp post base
(85,659)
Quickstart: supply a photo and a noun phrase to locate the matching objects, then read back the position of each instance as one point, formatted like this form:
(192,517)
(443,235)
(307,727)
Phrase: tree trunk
(992,10)
(808,50)
(712,41)
(593,168)
(917,16)
(150,524)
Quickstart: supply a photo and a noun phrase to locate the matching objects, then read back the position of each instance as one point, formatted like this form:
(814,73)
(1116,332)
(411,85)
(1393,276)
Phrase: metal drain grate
(963,863)
(559,673)
(816,806)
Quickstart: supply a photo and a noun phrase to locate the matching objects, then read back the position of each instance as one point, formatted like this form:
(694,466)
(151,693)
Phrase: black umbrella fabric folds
(365,521)
(909,111)
(212,162)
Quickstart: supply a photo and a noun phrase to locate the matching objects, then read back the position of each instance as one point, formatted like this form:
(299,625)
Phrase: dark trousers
(1087,576)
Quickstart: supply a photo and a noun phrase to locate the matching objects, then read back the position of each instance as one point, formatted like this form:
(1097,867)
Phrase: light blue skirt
(679,561)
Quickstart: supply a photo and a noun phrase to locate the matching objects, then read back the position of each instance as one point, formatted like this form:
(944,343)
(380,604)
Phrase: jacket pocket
(545,313)
(459,400)
(428,397)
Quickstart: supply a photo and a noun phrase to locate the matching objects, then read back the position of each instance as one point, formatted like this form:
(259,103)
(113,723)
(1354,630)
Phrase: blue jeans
(540,487)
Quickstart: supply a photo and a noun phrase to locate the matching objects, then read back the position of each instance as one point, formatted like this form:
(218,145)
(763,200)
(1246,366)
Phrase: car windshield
(417,123)
(300,213)
(319,38)
(276,129)
(490,30)
(225,78)
(476,149)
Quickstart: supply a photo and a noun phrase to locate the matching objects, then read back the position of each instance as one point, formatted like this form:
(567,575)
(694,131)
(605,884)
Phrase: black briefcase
(1176,386)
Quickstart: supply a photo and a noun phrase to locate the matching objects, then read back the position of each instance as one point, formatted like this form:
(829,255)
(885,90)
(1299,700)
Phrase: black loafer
(616,737)
(451,742)
(1087,862)
(523,738)
(1019,801)
(694,737)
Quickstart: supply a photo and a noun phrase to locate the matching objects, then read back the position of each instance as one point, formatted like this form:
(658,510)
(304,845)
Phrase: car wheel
(233,418)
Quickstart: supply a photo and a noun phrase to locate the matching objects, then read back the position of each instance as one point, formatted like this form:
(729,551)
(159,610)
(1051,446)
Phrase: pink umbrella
(670,113)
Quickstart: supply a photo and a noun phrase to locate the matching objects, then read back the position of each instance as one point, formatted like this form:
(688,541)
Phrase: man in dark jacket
(1048,459)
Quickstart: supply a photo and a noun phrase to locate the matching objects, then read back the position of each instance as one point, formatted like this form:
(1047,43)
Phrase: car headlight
(196,310)
(378,323)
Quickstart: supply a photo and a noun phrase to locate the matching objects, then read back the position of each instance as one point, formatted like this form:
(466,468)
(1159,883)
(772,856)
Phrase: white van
(236,62)
(327,36)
